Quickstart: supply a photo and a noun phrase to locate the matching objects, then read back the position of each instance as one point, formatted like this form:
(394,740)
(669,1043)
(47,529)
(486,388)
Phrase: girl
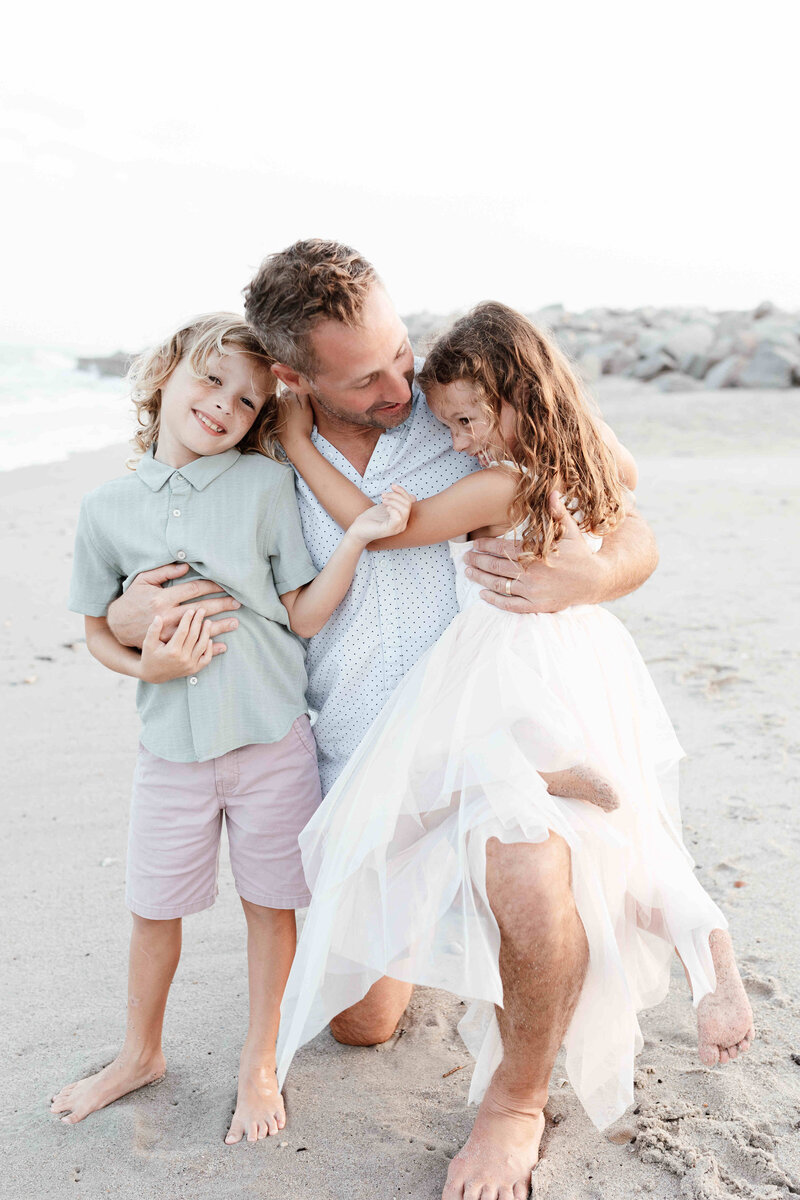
(221,732)
(396,855)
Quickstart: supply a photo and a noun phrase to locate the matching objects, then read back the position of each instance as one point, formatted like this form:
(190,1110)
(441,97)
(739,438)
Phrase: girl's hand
(386,519)
(188,650)
(298,420)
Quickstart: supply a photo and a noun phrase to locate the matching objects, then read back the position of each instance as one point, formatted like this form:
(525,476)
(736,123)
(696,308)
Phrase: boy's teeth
(210,424)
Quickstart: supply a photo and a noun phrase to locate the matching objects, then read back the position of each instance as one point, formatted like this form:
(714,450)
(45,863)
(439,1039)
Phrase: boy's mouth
(209,425)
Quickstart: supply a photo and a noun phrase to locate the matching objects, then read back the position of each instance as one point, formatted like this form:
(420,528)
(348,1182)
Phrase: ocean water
(49,409)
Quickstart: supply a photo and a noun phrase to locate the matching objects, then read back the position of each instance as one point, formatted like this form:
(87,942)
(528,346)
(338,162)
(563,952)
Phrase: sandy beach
(720,483)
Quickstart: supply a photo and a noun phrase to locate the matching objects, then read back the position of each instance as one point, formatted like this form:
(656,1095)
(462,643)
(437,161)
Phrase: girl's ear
(291,379)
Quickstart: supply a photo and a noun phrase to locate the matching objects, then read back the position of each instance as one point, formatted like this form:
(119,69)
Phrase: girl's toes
(723,1054)
(744,1045)
(709,1055)
(272,1125)
(733,1052)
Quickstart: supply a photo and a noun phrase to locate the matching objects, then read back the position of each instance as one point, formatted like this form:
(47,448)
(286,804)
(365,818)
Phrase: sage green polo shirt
(233,518)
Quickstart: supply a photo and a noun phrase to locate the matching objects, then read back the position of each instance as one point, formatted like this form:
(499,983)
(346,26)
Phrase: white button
(193,680)
(181,554)
(176,512)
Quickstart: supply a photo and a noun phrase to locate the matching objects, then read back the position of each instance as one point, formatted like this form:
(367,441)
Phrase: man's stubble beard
(369,419)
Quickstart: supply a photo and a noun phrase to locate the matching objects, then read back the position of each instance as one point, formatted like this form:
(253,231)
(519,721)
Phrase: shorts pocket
(302,727)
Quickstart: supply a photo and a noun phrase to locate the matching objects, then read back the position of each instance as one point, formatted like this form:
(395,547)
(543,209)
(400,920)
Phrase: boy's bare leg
(154,954)
(582,783)
(543,960)
(271,940)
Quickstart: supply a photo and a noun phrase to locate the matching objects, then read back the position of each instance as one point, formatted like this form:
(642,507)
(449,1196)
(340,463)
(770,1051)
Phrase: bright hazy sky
(616,153)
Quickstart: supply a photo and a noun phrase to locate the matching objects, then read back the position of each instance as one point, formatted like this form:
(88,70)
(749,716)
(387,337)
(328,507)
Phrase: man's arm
(131,614)
(573,574)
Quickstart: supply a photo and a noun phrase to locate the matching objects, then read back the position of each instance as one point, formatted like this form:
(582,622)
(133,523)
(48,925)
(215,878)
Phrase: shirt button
(176,512)
(181,554)
(193,680)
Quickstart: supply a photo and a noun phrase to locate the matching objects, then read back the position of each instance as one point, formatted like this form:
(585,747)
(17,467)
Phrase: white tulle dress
(396,854)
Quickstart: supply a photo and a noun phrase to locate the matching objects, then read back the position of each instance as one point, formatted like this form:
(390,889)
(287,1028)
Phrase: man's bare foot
(125,1074)
(582,783)
(259,1104)
(724,1018)
(500,1154)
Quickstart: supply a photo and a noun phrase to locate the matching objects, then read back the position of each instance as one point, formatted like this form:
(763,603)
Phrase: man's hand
(188,650)
(131,615)
(572,574)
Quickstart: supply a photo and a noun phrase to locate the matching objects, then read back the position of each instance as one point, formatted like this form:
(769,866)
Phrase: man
(326,318)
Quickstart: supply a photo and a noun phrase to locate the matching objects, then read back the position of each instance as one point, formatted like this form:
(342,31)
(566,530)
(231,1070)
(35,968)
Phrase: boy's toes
(235,1133)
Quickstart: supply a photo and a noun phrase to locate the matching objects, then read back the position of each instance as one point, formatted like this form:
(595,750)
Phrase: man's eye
(369,383)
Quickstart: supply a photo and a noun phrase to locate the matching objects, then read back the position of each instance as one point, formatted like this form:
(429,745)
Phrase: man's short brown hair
(294,289)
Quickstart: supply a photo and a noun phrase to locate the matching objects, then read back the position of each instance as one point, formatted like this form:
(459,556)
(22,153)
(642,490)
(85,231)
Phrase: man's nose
(401,389)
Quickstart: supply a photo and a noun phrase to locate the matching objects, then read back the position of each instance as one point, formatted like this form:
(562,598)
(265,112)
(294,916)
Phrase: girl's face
(210,415)
(459,406)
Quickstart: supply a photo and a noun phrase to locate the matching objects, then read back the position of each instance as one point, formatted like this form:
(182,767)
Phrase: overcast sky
(616,153)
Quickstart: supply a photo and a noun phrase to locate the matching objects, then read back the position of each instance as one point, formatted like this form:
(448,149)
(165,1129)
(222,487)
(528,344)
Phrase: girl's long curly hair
(220,333)
(557,445)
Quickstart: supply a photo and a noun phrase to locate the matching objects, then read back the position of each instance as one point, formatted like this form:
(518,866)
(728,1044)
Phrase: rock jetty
(677,349)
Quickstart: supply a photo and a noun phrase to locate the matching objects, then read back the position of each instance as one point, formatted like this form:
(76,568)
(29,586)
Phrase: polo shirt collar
(199,473)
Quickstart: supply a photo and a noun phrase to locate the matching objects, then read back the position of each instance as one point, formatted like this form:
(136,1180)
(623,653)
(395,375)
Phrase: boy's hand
(298,421)
(386,519)
(188,650)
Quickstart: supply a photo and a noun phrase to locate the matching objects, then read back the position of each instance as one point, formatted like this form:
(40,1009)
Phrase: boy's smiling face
(210,415)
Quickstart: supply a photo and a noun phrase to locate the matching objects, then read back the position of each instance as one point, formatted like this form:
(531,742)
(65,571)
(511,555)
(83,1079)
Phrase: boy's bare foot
(582,783)
(724,1018)
(259,1104)
(125,1074)
(499,1155)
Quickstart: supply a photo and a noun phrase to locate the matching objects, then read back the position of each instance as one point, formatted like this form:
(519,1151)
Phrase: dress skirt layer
(396,855)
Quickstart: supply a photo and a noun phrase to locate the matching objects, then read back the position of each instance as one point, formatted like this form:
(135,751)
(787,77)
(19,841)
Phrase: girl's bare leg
(154,954)
(271,939)
(582,783)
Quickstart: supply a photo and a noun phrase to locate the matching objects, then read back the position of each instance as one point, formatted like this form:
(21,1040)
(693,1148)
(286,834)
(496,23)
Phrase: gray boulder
(726,373)
(675,381)
(770,367)
(653,365)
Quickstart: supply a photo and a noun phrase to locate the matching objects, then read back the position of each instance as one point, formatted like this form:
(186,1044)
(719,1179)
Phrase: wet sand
(720,483)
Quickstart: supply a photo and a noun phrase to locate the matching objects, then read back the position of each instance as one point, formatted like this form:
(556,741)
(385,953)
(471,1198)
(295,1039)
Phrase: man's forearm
(628,557)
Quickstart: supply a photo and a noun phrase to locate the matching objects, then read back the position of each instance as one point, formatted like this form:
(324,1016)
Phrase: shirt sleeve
(95,581)
(289,559)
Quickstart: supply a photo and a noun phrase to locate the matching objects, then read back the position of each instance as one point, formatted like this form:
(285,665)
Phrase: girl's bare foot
(582,783)
(500,1154)
(125,1074)
(724,1018)
(259,1105)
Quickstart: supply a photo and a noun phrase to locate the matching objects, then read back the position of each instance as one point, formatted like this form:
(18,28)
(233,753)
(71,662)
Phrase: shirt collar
(199,473)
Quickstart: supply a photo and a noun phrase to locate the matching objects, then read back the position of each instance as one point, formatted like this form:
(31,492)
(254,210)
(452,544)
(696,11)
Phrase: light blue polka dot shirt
(400,601)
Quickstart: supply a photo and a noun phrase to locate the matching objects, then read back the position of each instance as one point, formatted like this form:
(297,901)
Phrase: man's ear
(293,380)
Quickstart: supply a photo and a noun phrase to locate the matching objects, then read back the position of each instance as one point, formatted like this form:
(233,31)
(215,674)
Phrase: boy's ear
(291,379)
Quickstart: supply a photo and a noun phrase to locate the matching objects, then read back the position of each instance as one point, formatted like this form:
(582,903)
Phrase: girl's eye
(464,421)
(214,379)
(249,403)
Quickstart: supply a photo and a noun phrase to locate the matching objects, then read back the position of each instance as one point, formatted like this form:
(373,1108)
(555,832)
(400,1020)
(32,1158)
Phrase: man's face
(364,375)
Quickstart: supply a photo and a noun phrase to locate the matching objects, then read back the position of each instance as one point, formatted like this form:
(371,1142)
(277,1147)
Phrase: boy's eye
(214,379)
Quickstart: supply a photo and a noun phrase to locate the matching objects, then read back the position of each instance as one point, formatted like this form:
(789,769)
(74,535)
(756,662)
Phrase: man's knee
(529,884)
(375,1018)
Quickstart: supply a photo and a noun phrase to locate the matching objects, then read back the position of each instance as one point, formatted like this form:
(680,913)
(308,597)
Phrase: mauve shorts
(267,794)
